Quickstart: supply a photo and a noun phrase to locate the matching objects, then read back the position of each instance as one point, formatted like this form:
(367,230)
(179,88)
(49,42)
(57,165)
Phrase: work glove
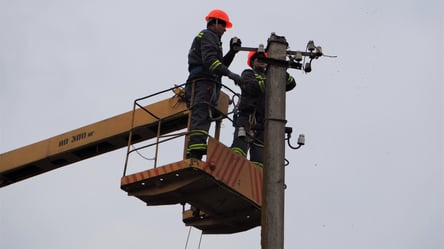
(236,78)
(291,82)
(235,44)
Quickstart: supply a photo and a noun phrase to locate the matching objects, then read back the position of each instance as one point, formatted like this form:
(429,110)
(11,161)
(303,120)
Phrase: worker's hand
(235,44)
(236,78)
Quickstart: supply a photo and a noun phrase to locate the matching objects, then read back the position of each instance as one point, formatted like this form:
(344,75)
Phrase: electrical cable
(142,156)
(188,237)
(200,240)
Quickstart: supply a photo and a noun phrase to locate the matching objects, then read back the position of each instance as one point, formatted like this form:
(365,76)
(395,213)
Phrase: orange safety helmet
(251,56)
(221,15)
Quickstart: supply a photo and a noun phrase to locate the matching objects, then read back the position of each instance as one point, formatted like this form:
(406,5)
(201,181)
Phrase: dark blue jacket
(253,93)
(205,58)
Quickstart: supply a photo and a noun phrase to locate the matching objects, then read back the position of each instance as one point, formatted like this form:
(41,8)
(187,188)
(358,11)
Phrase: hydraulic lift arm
(92,140)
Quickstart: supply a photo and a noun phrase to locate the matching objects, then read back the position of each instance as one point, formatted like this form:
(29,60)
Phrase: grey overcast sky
(370,175)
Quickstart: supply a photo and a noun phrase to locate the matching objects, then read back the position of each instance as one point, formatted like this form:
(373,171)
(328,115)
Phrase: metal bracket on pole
(295,57)
(260,49)
(312,52)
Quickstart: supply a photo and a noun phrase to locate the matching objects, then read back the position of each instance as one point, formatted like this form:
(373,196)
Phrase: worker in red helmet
(206,66)
(250,116)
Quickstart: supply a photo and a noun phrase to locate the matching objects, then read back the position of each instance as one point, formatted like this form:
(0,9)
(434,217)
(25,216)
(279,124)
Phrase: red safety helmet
(221,15)
(252,56)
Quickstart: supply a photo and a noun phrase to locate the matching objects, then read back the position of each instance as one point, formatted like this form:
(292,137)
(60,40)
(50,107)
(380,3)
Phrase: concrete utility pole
(273,202)
(272,234)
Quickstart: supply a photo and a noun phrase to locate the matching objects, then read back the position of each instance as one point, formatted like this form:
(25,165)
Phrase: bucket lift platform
(224,192)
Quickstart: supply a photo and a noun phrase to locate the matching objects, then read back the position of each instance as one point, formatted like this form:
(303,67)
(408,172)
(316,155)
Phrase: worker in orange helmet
(250,115)
(206,66)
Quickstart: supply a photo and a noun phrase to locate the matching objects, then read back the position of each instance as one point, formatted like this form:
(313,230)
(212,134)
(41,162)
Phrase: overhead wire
(188,239)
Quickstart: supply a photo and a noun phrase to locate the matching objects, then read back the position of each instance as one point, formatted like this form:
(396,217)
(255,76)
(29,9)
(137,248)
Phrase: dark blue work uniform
(206,65)
(249,125)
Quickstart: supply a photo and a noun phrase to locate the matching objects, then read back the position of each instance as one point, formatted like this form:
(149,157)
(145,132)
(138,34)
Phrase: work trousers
(201,97)
(247,139)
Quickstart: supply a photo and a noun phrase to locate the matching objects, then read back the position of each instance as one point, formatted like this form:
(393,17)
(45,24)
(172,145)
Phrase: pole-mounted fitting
(295,58)
(301,139)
